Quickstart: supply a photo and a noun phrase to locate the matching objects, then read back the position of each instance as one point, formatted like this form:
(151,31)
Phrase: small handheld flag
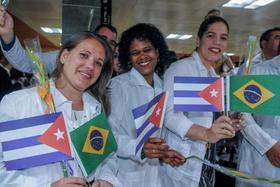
(255,94)
(93,142)
(148,119)
(198,94)
(34,141)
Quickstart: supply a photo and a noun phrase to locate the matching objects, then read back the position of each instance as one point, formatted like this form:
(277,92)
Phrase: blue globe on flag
(96,140)
(252,94)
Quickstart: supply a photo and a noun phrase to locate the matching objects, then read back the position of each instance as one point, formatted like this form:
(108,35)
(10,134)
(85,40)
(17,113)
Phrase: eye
(116,55)
(99,63)
(225,38)
(84,55)
(113,43)
(209,35)
(134,53)
(148,49)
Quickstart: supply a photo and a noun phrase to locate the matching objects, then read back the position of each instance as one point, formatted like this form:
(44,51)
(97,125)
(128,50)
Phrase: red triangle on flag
(213,94)
(157,112)
(56,136)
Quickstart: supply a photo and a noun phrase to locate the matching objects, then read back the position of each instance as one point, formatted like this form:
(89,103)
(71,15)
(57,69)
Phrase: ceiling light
(178,36)
(238,3)
(51,30)
(259,3)
(173,36)
(249,4)
(185,37)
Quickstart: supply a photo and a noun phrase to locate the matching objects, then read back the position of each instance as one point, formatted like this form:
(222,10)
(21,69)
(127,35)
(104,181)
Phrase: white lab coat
(128,91)
(19,59)
(27,103)
(260,135)
(256,60)
(178,124)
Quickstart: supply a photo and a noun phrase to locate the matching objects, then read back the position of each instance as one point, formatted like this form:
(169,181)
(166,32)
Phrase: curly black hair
(143,32)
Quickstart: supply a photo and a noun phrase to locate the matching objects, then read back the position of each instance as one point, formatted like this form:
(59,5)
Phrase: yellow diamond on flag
(253,94)
(96,140)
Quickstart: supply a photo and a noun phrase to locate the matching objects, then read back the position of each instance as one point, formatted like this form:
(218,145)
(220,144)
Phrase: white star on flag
(59,134)
(158,111)
(214,93)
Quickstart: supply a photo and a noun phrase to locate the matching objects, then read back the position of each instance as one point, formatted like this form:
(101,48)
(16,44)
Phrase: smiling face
(144,58)
(213,43)
(82,65)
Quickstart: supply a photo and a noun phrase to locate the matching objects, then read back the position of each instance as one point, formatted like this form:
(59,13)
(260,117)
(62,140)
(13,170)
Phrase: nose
(217,40)
(142,55)
(90,64)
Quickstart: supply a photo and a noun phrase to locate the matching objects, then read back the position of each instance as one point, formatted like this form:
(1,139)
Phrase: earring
(62,61)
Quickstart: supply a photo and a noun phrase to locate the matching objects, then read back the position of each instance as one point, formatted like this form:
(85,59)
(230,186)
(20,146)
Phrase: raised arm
(13,50)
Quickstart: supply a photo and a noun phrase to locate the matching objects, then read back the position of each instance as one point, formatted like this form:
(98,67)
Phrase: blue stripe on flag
(189,108)
(146,137)
(142,127)
(141,110)
(28,122)
(35,160)
(186,93)
(20,143)
(196,80)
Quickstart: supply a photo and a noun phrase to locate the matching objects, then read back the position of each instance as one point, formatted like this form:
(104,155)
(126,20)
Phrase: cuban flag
(198,94)
(148,119)
(34,141)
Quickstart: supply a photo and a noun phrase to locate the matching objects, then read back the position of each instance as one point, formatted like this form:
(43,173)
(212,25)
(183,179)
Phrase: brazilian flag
(93,142)
(255,94)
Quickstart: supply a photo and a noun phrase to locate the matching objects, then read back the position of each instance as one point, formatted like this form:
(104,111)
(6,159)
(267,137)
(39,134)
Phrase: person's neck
(267,55)
(206,64)
(150,80)
(71,94)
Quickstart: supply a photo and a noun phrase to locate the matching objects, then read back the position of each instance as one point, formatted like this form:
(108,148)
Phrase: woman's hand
(155,148)
(273,154)
(70,182)
(173,158)
(238,121)
(220,129)
(101,183)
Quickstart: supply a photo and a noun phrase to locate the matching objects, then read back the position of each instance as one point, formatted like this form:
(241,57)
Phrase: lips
(143,64)
(85,75)
(215,50)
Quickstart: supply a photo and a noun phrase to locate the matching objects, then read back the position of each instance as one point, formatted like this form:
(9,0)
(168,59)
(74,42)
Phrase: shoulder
(20,104)
(120,80)
(22,95)
(183,66)
(262,68)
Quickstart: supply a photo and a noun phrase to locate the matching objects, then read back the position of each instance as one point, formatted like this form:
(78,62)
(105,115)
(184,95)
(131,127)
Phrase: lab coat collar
(202,67)
(138,79)
(91,106)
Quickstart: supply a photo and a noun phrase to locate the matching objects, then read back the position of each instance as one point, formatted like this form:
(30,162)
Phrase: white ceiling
(170,16)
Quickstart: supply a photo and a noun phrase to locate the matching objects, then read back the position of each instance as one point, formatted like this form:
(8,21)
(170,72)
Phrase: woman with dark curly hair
(146,31)
(141,50)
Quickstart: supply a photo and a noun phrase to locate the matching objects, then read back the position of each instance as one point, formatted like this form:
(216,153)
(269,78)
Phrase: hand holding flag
(148,119)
